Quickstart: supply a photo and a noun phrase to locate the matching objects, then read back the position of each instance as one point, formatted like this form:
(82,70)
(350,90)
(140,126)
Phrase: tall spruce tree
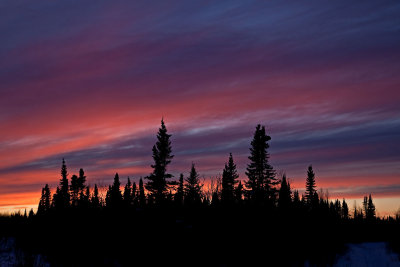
(193,187)
(229,180)
(74,188)
(261,176)
(61,198)
(370,214)
(77,188)
(157,183)
(45,200)
(114,196)
(310,186)
(64,183)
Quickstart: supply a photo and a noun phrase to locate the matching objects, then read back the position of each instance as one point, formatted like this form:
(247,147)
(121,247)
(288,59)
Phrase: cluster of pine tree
(261,189)
(164,220)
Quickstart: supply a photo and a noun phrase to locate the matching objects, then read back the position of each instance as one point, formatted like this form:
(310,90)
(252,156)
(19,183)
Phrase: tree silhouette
(95,200)
(142,195)
(74,188)
(45,200)
(310,186)
(84,198)
(61,198)
(192,214)
(179,195)
(81,180)
(285,194)
(157,183)
(370,211)
(114,197)
(239,193)
(345,210)
(193,188)
(229,180)
(365,206)
(128,193)
(337,209)
(135,194)
(261,175)
(296,199)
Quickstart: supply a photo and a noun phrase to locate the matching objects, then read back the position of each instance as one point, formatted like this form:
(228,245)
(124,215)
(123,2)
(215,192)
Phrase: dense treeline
(261,188)
(231,221)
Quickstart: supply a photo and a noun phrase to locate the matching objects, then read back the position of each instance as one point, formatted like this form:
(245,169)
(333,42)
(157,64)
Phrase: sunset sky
(89,81)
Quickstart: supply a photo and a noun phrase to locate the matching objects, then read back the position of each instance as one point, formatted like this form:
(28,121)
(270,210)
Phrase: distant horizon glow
(89,81)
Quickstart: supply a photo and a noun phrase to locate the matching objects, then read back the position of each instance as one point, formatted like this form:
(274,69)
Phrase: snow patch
(10,256)
(368,254)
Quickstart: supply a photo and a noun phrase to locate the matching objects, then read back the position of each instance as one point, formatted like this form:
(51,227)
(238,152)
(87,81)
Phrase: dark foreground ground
(196,237)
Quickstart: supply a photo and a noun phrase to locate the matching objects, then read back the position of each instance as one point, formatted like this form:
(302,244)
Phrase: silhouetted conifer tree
(74,188)
(370,213)
(45,200)
(77,188)
(239,193)
(157,183)
(338,209)
(365,206)
(229,180)
(179,191)
(331,209)
(128,193)
(285,194)
(345,210)
(355,213)
(261,175)
(108,196)
(310,186)
(81,180)
(56,200)
(62,197)
(142,195)
(114,197)
(135,194)
(31,213)
(95,201)
(193,188)
(84,198)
